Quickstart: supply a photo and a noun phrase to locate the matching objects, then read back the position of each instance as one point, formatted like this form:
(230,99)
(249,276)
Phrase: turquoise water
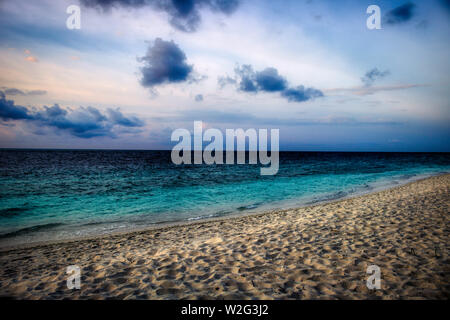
(49,194)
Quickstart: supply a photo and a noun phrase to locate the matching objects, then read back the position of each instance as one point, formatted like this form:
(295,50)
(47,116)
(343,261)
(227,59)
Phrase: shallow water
(57,194)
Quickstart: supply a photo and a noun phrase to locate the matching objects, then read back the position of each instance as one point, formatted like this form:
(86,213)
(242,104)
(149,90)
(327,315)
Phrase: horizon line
(114,149)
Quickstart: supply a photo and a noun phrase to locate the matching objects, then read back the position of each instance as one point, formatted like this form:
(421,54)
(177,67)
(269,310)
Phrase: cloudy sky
(138,69)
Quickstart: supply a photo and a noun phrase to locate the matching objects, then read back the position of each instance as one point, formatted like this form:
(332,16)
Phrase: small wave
(28,230)
(249,207)
(407,176)
(330,197)
(201,217)
(213,215)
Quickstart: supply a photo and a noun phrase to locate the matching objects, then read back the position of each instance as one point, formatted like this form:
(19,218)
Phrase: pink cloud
(31,59)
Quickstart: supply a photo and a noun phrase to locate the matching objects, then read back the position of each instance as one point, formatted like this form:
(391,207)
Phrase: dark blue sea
(64,194)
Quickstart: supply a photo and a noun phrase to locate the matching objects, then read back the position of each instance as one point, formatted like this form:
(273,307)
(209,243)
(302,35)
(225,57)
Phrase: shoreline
(182,223)
(315,252)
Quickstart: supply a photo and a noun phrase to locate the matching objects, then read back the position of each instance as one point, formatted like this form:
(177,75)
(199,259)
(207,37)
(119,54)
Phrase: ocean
(48,195)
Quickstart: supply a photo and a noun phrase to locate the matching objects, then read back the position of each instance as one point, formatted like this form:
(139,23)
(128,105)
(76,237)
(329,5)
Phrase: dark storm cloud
(400,14)
(164,62)
(84,122)
(372,75)
(10,111)
(18,92)
(301,94)
(183,14)
(13,92)
(117,117)
(246,77)
(36,92)
(268,80)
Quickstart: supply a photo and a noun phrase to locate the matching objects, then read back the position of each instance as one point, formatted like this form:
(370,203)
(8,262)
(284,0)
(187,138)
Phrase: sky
(136,70)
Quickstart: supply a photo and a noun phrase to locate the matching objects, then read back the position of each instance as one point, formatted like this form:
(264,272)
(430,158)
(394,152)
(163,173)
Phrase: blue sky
(135,72)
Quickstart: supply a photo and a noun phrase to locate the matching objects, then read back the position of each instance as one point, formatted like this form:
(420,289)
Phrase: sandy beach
(316,252)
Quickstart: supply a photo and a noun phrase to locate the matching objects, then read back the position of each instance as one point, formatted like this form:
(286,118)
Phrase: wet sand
(317,252)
